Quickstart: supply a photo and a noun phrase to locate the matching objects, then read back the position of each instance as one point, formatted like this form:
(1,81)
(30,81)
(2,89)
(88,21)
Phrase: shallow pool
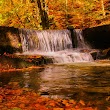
(86,81)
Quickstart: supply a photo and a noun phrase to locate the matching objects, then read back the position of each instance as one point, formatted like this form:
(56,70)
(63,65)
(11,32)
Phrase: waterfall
(80,40)
(45,41)
(55,44)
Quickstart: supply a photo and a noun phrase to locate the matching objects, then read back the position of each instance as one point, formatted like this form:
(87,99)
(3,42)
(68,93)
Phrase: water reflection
(27,78)
(67,81)
(64,80)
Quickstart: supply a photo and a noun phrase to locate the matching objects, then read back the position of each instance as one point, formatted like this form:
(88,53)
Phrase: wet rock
(9,40)
(44,93)
(17,62)
(85,50)
(98,37)
(13,61)
(104,54)
(94,54)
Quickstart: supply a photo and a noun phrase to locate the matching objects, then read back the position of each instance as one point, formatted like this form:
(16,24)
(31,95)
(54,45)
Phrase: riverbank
(12,62)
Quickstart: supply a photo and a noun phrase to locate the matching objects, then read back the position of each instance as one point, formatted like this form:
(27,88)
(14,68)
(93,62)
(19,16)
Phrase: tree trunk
(43,14)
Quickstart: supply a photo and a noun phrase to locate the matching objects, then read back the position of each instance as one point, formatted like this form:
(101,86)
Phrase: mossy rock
(9,40)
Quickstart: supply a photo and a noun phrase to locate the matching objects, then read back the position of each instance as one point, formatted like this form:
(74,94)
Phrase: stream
(86,81)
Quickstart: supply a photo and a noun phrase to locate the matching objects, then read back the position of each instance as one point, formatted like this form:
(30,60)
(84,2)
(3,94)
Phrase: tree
(43,14)
(54,14)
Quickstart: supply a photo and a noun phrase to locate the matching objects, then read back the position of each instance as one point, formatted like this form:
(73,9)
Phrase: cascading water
(55,44)
(45,41)
(81,44)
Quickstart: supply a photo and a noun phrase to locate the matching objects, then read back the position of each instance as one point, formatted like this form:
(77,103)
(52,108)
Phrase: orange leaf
(1,98)
(52,104)
(58,108)
(82,102)
(72,102)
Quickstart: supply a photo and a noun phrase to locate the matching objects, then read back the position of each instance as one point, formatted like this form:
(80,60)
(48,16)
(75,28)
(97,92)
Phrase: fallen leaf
(58,108)
(82,102)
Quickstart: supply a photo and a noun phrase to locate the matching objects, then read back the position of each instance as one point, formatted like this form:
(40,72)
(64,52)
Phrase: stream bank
(12,62)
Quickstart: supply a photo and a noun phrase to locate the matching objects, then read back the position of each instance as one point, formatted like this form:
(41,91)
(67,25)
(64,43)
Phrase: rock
(104,54)
(44,93)
(9,40)
(98,37)
(94,54)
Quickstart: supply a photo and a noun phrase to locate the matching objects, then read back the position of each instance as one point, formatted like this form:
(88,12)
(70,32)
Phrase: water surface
(86,81)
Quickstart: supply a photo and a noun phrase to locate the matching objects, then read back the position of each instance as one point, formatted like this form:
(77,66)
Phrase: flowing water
(86,81)
(56,44)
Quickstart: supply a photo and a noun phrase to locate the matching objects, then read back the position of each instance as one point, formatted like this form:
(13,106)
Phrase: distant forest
(54,14)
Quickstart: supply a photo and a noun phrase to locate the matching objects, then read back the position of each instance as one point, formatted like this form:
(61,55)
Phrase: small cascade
(46,40)
(55,44)
(80,40)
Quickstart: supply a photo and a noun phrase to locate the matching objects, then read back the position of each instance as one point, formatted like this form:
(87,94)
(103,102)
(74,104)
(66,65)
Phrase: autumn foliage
(12,98)
(54,14)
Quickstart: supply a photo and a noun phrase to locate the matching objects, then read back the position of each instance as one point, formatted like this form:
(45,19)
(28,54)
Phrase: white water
(55,44)
(80,40)
(45,41)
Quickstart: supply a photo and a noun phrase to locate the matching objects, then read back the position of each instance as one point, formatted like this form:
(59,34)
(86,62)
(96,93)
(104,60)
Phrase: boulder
(9,40)
(104,54)
(98,37)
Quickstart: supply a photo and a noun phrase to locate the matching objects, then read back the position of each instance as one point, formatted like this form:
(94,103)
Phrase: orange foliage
(26,15)
(9,68)
(26,99)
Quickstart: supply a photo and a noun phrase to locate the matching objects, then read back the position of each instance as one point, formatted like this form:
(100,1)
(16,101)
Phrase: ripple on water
(64,80)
